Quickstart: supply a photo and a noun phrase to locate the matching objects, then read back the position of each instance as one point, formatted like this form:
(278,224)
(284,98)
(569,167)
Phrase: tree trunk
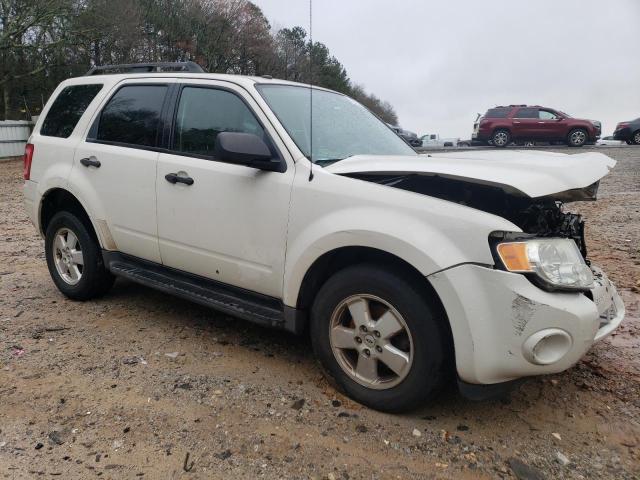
(6,94)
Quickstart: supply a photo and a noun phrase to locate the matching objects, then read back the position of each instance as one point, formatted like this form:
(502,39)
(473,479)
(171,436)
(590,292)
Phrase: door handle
(175,178)
(90,162)
(517,122)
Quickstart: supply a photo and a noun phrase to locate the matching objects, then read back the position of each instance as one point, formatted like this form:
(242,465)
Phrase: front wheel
(501,138)
(635,139)
(74,258)
(577,137)
(378,337)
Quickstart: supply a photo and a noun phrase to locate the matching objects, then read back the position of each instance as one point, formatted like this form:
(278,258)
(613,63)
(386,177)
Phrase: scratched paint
(523,309)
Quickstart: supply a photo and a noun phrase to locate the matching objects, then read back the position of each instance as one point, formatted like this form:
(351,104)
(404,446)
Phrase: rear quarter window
(67,108)
(497,113)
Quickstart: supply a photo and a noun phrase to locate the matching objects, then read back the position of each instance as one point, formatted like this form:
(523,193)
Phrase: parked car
(628,132)
(434,140)
(609,141)
(401,270)
(410,137)
(500,126)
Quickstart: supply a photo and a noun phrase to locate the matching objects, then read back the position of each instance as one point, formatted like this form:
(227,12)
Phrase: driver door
(550,125)
(230,223)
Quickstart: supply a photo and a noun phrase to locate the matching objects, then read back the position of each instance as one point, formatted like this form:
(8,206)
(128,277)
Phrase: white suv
(225,190)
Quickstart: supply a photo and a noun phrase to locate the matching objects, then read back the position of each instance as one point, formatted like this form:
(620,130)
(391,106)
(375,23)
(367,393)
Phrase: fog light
(547,346)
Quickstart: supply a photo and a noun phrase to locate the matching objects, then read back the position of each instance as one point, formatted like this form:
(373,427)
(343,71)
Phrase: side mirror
(246,149)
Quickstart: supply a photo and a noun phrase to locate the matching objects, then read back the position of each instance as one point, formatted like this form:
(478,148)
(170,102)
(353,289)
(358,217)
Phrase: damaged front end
(542,217)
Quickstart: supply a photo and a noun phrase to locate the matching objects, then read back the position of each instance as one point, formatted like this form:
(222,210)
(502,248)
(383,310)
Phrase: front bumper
(622,134)
(498,319)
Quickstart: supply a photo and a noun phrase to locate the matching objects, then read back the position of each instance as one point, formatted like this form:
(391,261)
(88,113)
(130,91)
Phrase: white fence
(13,137)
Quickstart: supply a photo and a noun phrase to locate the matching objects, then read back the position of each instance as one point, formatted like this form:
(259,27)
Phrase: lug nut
(367,352)
(363,328)
(358,340)
(376,333)
(379,349)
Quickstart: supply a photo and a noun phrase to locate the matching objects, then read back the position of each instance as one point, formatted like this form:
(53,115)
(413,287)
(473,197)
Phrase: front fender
(335,211)
(312,244)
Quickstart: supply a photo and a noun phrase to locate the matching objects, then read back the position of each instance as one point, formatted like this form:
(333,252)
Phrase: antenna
(311,88)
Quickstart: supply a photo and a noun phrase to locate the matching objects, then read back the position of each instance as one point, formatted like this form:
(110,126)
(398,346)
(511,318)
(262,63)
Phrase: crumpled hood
(528,173)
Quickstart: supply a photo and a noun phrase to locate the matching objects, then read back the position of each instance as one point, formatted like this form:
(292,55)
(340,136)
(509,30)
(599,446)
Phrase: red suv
(522,123)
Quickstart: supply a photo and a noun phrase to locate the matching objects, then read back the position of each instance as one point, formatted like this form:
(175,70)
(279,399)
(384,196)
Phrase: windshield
(341,126)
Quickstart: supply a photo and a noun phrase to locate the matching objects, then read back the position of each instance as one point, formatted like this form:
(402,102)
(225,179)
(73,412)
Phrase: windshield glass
(341,126)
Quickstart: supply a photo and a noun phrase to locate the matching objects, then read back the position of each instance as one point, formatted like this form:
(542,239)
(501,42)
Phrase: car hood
(531,174)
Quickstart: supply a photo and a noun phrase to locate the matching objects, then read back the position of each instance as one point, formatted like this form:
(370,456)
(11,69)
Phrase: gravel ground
(142,385)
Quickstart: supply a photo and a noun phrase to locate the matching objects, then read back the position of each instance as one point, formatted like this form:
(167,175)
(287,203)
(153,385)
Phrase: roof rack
(146,68)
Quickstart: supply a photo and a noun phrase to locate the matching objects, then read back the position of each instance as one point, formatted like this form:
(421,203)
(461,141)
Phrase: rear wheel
(378,338)
(74,258)
(501,138)
(635,139)
(577,137)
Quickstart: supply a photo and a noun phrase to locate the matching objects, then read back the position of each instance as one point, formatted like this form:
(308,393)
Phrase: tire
(421,338)
(78,281)
(577,137)
(635,138)
(501,138)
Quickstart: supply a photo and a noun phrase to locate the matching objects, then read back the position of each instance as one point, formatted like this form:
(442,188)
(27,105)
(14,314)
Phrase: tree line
(43,42)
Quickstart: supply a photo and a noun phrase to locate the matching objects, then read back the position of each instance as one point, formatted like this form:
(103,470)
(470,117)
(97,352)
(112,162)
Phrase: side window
(132,116)
(527,113)
(205,112)
(499,112)
(546,115)
(67,108)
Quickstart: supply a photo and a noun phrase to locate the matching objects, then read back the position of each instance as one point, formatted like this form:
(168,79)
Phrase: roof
(241,80)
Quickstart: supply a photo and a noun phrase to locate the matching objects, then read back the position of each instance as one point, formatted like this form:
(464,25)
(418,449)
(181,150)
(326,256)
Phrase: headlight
(555,261)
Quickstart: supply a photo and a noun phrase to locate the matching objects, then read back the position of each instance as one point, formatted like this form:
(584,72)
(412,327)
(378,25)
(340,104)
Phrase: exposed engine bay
(540,216)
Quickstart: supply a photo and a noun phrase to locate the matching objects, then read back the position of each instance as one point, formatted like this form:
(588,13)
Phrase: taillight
(622,125)
(28,158)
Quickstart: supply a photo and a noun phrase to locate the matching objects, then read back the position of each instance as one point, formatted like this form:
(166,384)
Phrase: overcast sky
(439,62)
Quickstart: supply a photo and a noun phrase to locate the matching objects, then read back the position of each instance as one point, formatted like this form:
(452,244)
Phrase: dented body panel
(496,312)
(524,173)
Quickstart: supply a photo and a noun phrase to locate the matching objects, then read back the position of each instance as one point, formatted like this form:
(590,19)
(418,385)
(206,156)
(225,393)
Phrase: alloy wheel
(578,137)
(500,139)
(636,138)
(67,256)
(371,341)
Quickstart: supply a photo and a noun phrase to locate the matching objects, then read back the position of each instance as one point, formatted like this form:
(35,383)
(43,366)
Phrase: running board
(234,301)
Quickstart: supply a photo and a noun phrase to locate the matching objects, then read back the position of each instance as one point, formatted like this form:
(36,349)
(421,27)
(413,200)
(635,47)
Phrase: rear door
(230,224)
(115,167)
(525,124)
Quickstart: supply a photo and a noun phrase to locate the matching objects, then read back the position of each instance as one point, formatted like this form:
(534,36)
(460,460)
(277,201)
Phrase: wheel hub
(67,256)
(371,341)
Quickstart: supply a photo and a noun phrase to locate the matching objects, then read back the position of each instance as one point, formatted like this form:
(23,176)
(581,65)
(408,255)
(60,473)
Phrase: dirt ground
(143,385)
